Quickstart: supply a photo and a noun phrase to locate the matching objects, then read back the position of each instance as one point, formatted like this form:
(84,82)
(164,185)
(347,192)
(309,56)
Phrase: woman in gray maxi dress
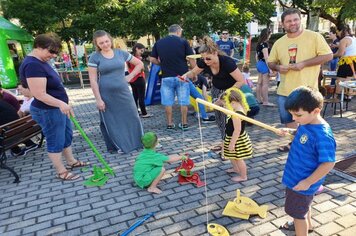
(119,121)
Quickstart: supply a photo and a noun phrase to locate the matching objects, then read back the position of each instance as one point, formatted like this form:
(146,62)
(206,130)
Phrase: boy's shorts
(170,86)
(297,205)
(284,115)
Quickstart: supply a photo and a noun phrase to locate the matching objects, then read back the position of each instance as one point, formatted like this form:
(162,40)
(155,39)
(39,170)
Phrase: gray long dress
(120,124)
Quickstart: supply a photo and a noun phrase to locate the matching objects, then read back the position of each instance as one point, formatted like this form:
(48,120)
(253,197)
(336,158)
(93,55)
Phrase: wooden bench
(15,133)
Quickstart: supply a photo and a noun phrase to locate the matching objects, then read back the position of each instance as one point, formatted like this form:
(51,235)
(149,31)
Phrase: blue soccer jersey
(312,145)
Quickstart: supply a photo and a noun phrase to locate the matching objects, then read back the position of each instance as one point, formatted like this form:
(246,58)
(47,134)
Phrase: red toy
(186,175)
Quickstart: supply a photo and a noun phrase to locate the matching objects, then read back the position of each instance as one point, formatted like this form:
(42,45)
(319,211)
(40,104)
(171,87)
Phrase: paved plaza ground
(43,205)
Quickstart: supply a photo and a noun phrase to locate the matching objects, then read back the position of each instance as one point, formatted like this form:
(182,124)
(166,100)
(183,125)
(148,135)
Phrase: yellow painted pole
(242,117)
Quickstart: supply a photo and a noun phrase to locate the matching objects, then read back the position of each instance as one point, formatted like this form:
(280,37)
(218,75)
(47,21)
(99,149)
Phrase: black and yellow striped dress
(243,146)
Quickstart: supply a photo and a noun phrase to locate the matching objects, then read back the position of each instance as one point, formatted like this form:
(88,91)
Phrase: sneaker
(19,153)
(208,120)
(170,127)
(146,116)
(30,148)
(183,127)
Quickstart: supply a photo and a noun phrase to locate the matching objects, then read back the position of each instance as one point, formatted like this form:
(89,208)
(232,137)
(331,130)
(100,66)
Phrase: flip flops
(285,148)
(289,226)
(216,148)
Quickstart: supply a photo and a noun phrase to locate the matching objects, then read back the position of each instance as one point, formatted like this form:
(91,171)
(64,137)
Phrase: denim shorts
(172,86)
(262,67)
(56,127)
(297,205)
(285,116)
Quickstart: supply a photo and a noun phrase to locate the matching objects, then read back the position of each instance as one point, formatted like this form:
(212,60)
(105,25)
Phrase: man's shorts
(56,127)
(284,115)
(172,86)
(262,67)
(297,205)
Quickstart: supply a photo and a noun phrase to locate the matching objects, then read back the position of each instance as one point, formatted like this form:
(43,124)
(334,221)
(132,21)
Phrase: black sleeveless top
(229,127)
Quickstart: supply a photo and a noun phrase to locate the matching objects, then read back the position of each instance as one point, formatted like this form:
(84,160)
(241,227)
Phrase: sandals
(216,148)
(77,164)
(67,176)
(269,104)
(171,127)
(285,148)
(289,226)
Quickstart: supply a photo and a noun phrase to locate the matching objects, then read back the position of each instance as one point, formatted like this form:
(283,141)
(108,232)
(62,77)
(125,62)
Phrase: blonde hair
(210,47)
(98,34)
(235,95)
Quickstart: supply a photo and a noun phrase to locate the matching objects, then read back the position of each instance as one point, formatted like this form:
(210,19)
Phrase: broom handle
(242,117)
(101,159)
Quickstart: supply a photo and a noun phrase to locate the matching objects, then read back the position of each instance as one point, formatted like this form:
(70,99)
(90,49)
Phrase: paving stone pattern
(42,205)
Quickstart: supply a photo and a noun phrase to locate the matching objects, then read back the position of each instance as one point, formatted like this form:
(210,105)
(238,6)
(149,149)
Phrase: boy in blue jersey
(310,159)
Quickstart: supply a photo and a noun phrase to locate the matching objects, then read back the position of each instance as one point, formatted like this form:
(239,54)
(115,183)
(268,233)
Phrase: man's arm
(318,60)
(192,63)
(276,67)
(154,60)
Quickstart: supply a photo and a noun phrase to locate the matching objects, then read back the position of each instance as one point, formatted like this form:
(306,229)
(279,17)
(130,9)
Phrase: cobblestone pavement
(43,205)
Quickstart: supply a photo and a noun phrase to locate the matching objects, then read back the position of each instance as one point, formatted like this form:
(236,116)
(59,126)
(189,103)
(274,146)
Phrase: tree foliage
(336,11)
(80,18)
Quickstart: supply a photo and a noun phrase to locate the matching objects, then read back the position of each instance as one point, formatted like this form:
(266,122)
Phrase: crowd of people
(296,58)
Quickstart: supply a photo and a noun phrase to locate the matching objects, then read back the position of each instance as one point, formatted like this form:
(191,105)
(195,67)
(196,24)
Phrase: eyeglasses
(225,33)
(206,58)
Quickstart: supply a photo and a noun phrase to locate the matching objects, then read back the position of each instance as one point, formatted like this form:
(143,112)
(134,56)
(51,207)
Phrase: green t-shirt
(148,166)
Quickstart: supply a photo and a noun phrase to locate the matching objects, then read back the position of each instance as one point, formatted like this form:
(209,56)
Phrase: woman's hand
(66,109)
(100,104)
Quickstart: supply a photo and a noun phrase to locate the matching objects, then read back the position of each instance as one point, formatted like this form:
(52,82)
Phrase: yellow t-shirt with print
(309,44)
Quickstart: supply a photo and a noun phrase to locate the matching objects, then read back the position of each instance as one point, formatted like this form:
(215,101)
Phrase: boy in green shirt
(148,169)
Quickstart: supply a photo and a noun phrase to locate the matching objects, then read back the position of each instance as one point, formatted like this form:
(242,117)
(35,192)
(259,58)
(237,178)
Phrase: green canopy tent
(15,44)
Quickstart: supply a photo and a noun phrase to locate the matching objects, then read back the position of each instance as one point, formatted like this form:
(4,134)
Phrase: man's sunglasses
(225,33)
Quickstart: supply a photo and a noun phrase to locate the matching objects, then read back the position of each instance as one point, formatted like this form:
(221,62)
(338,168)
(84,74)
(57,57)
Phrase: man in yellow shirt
(297,56)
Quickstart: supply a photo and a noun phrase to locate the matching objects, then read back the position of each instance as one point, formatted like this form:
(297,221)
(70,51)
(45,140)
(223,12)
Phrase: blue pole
(137,223)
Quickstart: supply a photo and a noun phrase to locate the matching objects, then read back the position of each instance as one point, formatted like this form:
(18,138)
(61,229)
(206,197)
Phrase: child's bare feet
(239,179)
(231,170)
(154,190)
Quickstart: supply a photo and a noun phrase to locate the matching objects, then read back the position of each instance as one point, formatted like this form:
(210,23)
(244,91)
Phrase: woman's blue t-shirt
(32,67)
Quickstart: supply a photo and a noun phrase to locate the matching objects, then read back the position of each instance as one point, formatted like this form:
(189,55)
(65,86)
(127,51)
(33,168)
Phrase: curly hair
(235,95)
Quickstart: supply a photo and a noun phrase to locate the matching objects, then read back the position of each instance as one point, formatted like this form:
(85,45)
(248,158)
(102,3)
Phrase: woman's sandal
(77,164)
(289,226)
(67,176)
